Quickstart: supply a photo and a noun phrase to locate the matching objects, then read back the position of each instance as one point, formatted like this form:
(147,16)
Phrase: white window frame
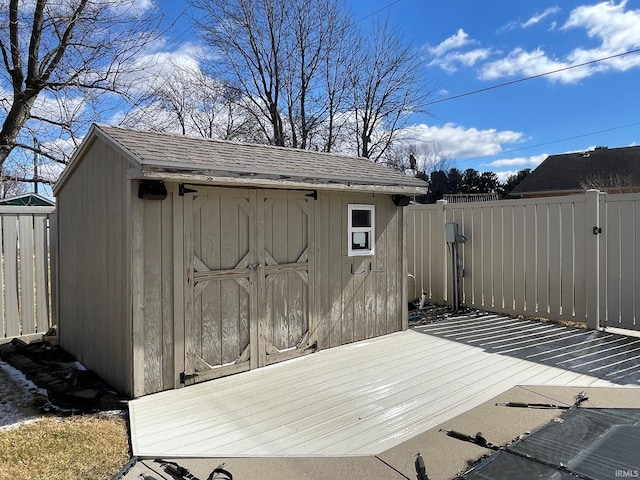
(370,230)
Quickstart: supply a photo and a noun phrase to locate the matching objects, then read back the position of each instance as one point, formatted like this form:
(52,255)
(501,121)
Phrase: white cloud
(520,162)
(525,63)
(458,142)
(454,42)
(540,16)
(449,62)
(615,28)
(449,54)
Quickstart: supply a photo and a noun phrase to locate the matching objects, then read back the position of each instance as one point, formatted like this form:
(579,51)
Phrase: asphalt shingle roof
(572,171)
(177,153)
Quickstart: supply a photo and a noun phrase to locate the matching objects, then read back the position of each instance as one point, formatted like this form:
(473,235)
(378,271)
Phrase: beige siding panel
(361,295)
(555,263)
(508,259)
(178,284)
(168,342)
(464,218)
(414,255)
(3,320)
(332,254)
(497,247)
(41,271)
(568,260)
(10,248)
(581,259)
(137,295)
(636,263)
(152,330)
(628,274)
(519,258)
(383,287)
(26,298)
(477,248)
(613,268)
(542,266)
(531,259)
(393,249)
(94,323)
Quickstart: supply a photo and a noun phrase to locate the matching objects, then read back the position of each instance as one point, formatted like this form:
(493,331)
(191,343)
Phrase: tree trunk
(16,118)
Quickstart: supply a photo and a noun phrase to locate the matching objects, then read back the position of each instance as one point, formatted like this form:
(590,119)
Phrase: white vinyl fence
(573,258)
(25,273)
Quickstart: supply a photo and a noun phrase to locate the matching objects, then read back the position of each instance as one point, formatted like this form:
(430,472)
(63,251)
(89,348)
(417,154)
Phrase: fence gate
(571,258)
(25,278)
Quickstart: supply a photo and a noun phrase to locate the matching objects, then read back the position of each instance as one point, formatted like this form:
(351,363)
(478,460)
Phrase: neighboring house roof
(187,159)
(28,199)
(615,169)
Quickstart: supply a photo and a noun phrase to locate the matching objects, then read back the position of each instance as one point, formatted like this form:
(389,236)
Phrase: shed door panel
(248,280)
(286,274)
(218,330)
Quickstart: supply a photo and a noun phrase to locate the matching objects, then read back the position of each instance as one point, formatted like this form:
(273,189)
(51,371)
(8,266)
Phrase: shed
(185,259)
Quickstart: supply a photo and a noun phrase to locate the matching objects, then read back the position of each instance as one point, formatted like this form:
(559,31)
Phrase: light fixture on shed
(400,200)
(152,190)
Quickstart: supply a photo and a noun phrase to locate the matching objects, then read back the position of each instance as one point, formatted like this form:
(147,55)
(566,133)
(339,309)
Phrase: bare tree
(63,60)
(313,81)
(286,59)
(418,159)
(611,182)
(386,89)
(248,38)
(317,61)
(185,100)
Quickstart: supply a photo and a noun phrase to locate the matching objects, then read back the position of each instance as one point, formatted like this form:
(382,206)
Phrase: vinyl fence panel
(572,258)
(25,293)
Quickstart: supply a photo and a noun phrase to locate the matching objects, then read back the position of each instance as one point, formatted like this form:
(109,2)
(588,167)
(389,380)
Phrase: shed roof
(182,158)
(572,172)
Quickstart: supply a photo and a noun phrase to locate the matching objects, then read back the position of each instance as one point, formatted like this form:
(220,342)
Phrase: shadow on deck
(610,356)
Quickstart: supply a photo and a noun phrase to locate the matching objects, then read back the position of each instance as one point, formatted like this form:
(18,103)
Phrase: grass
(80,447)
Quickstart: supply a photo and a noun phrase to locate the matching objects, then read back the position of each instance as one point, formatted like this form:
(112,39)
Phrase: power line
(378,11)
(550,142)
(480,90)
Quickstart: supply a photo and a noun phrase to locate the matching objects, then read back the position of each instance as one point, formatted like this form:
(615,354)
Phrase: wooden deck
(366,397)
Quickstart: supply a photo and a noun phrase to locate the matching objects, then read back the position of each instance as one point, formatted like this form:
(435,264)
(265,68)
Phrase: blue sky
(468,45)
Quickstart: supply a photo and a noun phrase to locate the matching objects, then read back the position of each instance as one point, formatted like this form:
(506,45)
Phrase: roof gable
(182,158)
(28,199)
(572,172)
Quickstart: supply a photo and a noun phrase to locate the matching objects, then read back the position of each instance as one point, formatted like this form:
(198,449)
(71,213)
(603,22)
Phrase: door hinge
(182,190)
(187,378)
(313,195)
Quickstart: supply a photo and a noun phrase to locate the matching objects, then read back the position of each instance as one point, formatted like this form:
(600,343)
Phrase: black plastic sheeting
(587,443)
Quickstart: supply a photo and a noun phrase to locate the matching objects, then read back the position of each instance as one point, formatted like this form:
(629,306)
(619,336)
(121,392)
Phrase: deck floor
(366,397)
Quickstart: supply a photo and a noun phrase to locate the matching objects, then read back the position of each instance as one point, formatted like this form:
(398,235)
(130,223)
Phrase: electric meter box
(451,232)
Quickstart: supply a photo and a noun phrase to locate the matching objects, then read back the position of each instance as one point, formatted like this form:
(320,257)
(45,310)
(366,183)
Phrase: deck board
(366,397)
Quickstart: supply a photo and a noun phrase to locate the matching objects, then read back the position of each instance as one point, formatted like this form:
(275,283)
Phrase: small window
(361,230)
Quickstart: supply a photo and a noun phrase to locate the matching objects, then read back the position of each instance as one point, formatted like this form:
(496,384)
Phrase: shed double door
(247,255)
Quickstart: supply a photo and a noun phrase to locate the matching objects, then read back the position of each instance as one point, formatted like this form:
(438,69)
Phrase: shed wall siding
(94,321)
(346,307)
(158,259)
(358,297)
